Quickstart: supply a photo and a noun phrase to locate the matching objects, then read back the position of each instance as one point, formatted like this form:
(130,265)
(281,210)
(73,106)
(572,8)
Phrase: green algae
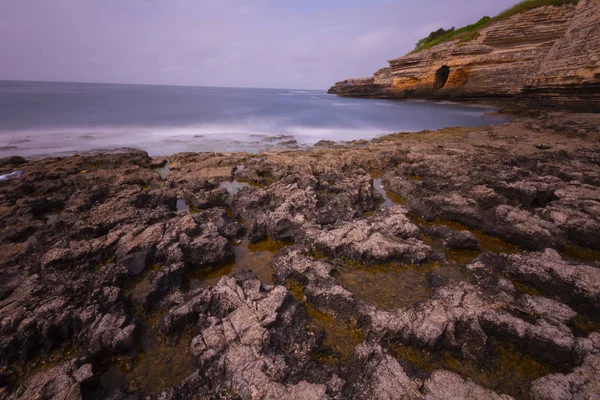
(393,286)
(229,212)
(295,288)
(162,366)
(398,287)
(526,288)
(157,363)
(256,257)
(270,245)
(461,256)
(139,287)
(340,339)
(583,324)
(505,369)
(375,173)
(486,242)
(580,253)
(340,336)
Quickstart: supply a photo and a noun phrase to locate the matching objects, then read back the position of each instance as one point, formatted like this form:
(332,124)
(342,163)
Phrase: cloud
(255,43)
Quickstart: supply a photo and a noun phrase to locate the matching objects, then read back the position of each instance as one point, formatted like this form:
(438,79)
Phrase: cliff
(549,56)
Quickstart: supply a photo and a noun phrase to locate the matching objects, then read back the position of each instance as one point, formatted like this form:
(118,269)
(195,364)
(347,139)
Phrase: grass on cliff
(471,32)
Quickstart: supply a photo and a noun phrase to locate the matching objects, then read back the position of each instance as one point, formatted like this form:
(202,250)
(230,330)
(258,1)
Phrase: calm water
(42,118)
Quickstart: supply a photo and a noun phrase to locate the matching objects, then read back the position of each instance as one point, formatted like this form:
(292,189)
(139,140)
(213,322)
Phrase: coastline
(234,120)
(119,282)
(541,56)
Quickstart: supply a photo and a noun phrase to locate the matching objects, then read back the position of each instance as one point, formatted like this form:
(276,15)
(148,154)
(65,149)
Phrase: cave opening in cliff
(441,77)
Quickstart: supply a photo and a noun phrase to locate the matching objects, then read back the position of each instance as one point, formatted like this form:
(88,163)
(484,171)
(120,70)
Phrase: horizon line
(153,84)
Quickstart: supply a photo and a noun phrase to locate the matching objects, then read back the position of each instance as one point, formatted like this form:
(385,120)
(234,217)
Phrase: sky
(304,44)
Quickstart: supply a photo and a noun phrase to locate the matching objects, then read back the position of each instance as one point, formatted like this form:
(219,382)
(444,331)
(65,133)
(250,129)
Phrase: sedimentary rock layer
(548,56)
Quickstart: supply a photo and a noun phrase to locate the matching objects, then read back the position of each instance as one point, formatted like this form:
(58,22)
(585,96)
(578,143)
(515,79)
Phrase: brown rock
(547,55)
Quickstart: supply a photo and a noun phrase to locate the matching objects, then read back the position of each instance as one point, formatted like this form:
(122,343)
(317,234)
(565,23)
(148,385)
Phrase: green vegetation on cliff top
(470,32)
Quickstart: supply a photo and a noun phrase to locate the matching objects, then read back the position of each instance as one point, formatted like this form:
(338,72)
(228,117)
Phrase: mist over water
(44,118)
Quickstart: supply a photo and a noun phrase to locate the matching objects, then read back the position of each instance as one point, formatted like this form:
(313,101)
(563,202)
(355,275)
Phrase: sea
(39,119)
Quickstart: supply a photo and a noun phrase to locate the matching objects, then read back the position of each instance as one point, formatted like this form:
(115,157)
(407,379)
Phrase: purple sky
(245,43)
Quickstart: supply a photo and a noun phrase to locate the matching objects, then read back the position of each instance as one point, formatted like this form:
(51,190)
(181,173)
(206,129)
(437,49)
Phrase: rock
(378,376)
(582,383)
(459,240)
(445,385)
(135,263)
(206,199)
(234,337)
(546,308)
(8,283)
(462,240)
(550,272)
(225,225)
(14,160)
(455,208)
(550,65)
(110,333)
(180,239)
(551,342)
(119,256)
(438,280)
(386,236)
(61,382)
(258,230)
(325,143)
(525,229)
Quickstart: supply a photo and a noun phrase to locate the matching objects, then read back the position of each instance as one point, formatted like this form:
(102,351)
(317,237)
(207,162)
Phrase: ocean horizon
(63,118)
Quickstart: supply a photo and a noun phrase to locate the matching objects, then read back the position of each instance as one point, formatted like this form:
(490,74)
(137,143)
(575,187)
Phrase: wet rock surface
(461,263)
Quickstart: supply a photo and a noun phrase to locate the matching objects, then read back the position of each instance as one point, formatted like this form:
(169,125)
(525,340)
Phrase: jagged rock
(546,308)
(456,208)
(232,341)
(62,382)
(280,210)
(582,383)
(552,342)
(225,225)
(387,236)
(206,199)
(445,385)
(460,240)
(119,255)
(375,375)
(136,262)
(525,229)
(110,332)
(178,240)
(549,271)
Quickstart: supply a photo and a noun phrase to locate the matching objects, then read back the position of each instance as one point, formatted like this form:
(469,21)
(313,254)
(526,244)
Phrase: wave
(162,141)
(345,104)
(245,132)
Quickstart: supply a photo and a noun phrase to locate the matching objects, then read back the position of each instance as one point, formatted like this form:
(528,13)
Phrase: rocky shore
(454,264)
(544,57)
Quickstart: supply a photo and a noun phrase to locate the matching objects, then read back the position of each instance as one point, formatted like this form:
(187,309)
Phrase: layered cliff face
(548,55)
